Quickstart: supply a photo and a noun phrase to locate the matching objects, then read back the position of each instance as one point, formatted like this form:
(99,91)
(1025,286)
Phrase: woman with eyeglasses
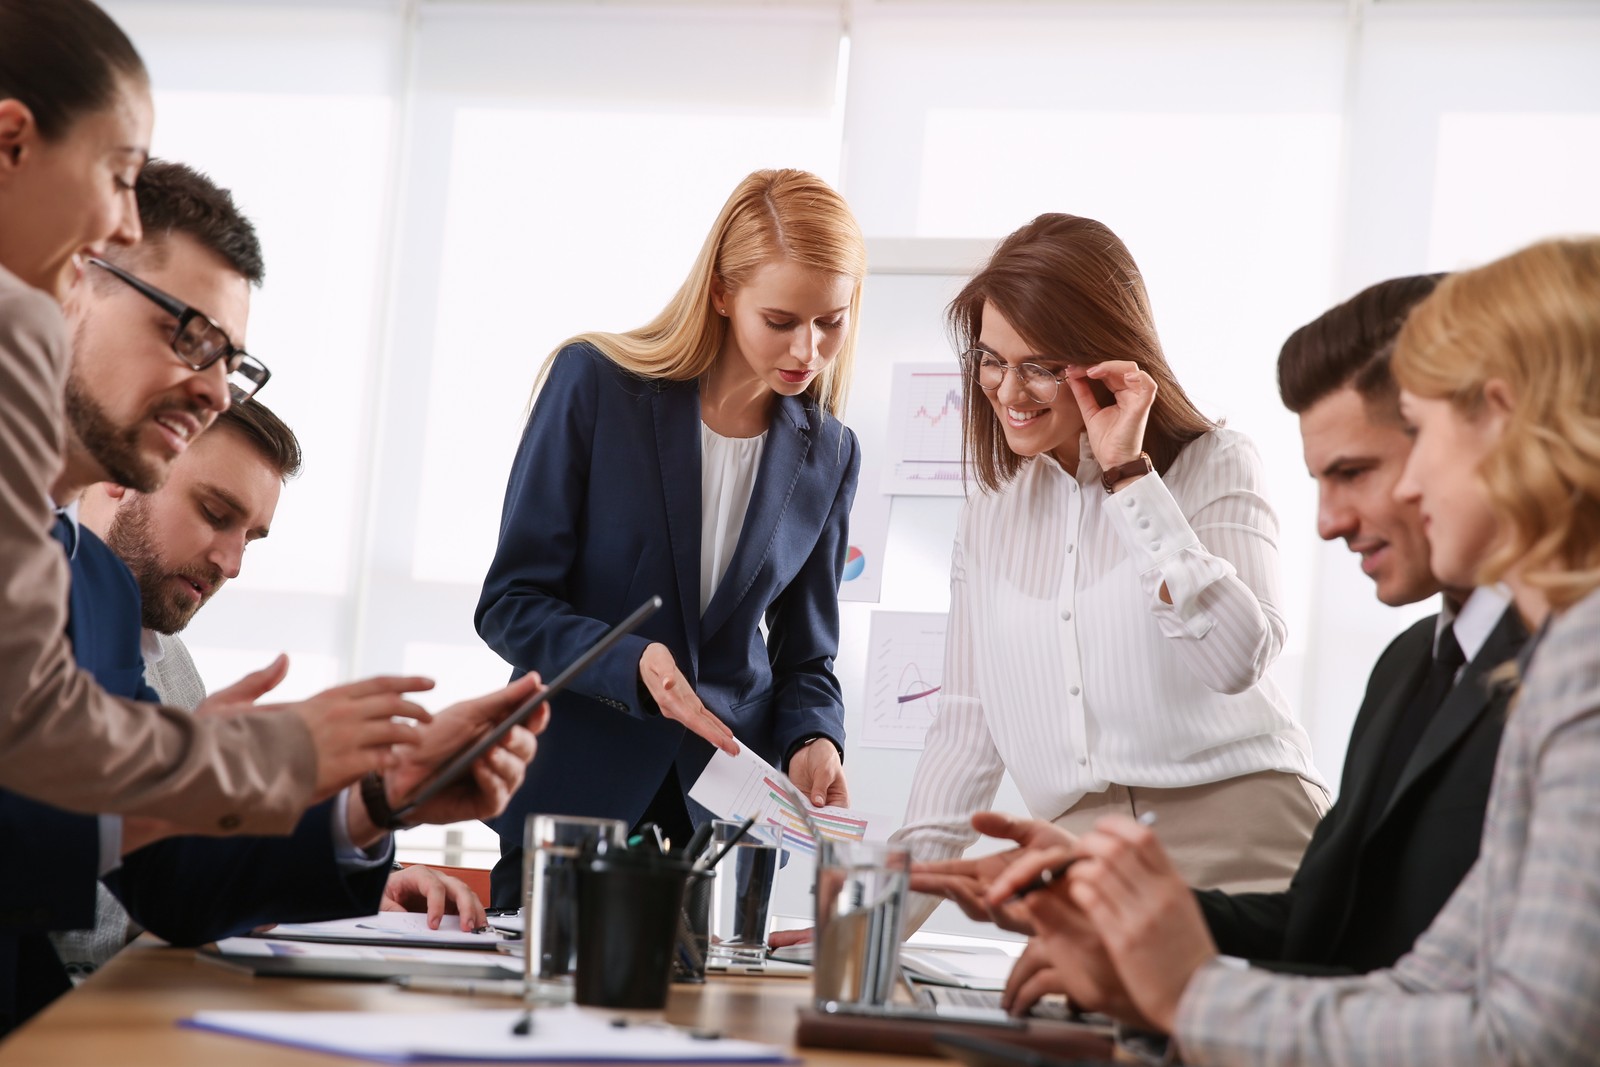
(699,458)
(1114,585)
(1499,371)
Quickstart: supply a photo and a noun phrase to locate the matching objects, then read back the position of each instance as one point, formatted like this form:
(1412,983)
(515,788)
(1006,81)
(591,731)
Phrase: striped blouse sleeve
(1216,556)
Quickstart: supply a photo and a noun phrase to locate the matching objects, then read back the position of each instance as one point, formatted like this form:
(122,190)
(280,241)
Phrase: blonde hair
(1532,321)
(772,215)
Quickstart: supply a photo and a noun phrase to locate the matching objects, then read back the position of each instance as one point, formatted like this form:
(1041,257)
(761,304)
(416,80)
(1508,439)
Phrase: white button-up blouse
(1064,665)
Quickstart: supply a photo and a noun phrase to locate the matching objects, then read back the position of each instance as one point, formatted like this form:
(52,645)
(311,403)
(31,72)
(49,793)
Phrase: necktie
(1414,719)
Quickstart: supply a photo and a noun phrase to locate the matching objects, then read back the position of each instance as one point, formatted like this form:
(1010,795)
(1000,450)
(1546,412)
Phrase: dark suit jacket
(603,511)
(1363,894)
(188,890)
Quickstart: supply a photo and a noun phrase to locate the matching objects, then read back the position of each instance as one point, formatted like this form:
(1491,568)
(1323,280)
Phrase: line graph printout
(905,671)
(737,787)
(925,431)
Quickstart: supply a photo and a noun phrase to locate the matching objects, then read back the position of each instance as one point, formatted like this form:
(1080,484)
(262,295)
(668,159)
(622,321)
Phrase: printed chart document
(567,1034)
(737,787)
(925,431)
(905,672)
(401,928)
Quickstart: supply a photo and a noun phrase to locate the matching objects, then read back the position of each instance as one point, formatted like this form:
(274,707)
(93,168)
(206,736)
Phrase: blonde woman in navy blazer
(748,364)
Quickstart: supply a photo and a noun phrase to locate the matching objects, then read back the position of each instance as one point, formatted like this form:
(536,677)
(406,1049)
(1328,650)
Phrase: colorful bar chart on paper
(737,787)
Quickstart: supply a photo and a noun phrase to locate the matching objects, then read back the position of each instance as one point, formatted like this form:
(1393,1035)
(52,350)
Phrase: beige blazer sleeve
(63,739)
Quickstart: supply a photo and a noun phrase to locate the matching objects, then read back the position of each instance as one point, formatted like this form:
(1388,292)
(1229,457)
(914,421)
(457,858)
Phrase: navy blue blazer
(188,890)
(603,511)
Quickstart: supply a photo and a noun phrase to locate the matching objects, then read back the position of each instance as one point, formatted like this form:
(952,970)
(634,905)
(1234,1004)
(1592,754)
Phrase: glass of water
(553,846)
(861,898)
(741,902)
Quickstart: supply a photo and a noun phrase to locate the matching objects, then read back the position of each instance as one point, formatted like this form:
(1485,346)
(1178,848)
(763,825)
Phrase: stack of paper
(568,1033)
(401,928)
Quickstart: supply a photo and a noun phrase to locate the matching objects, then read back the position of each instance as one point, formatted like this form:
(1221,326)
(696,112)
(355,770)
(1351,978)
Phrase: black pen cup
(630,905)
(694,929)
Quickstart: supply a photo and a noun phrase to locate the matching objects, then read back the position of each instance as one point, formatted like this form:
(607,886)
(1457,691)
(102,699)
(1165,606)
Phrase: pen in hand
(1051,875)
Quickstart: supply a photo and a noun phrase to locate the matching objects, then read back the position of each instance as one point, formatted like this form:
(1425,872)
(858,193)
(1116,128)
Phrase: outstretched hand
(354,727)
(677,699)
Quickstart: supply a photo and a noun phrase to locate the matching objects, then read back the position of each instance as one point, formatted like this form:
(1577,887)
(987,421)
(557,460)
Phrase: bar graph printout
(737,787)
(905,672)
(925,431)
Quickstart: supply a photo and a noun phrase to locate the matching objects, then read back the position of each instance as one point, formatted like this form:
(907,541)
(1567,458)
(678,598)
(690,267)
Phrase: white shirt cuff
(345,852)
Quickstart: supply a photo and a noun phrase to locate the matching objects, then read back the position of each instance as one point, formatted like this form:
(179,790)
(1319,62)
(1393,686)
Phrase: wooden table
(125,1015)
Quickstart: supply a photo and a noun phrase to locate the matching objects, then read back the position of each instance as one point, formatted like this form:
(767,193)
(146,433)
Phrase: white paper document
(271,947)
(862,579)
(905,672)
(567,1033)
(389,928)
(738,787)
(969,968)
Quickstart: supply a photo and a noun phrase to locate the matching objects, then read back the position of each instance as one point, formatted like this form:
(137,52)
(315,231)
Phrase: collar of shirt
(70,513)
(151,648)
(1475,620)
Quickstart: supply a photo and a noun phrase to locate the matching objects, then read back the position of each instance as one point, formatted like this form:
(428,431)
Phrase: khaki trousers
(1240,835)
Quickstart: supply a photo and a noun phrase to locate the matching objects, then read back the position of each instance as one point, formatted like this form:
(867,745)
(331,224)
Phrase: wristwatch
(1136,466)
(376,798)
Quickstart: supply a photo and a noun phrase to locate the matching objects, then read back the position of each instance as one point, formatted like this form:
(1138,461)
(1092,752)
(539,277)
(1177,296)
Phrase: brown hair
(1350,346)
(63,59)
(176,198)
(263,431)
(1531,321)
(1070,287)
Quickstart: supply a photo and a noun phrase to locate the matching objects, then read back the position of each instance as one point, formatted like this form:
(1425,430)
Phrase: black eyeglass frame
(240,364)
(973,359)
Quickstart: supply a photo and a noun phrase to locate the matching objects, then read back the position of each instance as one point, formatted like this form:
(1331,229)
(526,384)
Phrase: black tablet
(458,764)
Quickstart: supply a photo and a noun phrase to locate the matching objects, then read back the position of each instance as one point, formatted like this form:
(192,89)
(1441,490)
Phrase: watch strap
(1136,466)
(375,796)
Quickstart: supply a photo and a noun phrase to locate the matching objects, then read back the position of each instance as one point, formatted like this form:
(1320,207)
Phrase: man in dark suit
(1406,827)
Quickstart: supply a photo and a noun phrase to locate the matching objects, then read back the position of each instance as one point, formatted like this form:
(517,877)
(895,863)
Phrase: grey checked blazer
(1509,972)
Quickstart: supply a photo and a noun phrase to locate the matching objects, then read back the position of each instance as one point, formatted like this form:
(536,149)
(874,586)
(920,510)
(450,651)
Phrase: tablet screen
(457,765)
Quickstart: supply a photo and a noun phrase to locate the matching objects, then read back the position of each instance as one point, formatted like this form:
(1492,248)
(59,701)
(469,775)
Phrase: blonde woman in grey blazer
(1500,371)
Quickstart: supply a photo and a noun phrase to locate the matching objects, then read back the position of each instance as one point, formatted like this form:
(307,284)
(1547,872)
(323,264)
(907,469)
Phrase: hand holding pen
(1122,900)
(1051,875)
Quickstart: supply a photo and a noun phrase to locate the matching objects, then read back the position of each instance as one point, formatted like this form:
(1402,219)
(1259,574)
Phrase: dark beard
(162,609)
(115,448)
